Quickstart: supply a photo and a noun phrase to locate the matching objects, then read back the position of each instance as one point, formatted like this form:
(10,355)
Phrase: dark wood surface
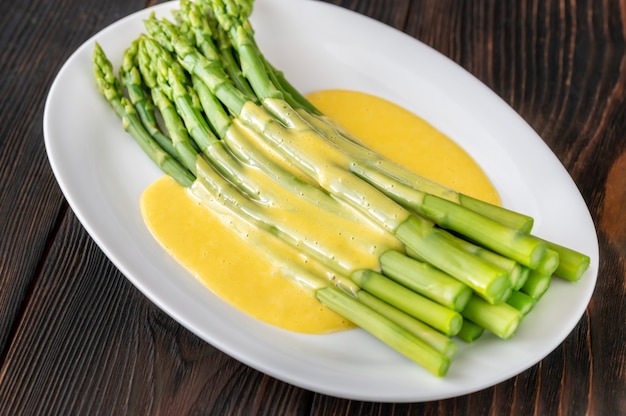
(77,338)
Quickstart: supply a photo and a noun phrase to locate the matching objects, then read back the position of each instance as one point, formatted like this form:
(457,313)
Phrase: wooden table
(77,338)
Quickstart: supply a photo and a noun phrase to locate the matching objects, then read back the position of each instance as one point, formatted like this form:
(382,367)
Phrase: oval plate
(103,173)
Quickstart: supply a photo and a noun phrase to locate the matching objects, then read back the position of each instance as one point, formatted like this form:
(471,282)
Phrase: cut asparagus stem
(536,284)
(488,281)
(383,328)
(470,331)
(523,277)
(572,264)
(521,301)
(435,339)
(426,280)
(501,319)
(511,267)
(549,263)
(439,317)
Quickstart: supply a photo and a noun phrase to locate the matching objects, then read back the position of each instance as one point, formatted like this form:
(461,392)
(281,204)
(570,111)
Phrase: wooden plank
(77,338)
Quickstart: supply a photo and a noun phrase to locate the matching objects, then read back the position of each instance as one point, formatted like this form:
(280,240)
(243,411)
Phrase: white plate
(103,173)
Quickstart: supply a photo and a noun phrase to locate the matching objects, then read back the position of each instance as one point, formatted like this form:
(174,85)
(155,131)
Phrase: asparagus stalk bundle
(207,107)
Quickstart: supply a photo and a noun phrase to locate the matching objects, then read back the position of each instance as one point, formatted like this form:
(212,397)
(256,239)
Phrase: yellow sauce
(235,272)
(242,275)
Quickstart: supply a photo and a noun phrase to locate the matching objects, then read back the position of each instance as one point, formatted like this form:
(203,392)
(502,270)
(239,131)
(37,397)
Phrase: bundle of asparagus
(212,112)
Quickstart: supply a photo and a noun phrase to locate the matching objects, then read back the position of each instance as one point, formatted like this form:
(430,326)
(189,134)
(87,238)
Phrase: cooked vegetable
(209,109)
(470,331)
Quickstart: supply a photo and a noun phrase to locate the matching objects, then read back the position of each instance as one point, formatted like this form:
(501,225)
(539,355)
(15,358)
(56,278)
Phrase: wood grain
(77,338)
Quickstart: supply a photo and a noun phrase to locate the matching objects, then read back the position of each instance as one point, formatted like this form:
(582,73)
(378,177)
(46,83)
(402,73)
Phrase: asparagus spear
(178,135)
(425,279)
(513,269)
(430,336)
(140,99)
(439,317)
(470,331)
(383,328)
